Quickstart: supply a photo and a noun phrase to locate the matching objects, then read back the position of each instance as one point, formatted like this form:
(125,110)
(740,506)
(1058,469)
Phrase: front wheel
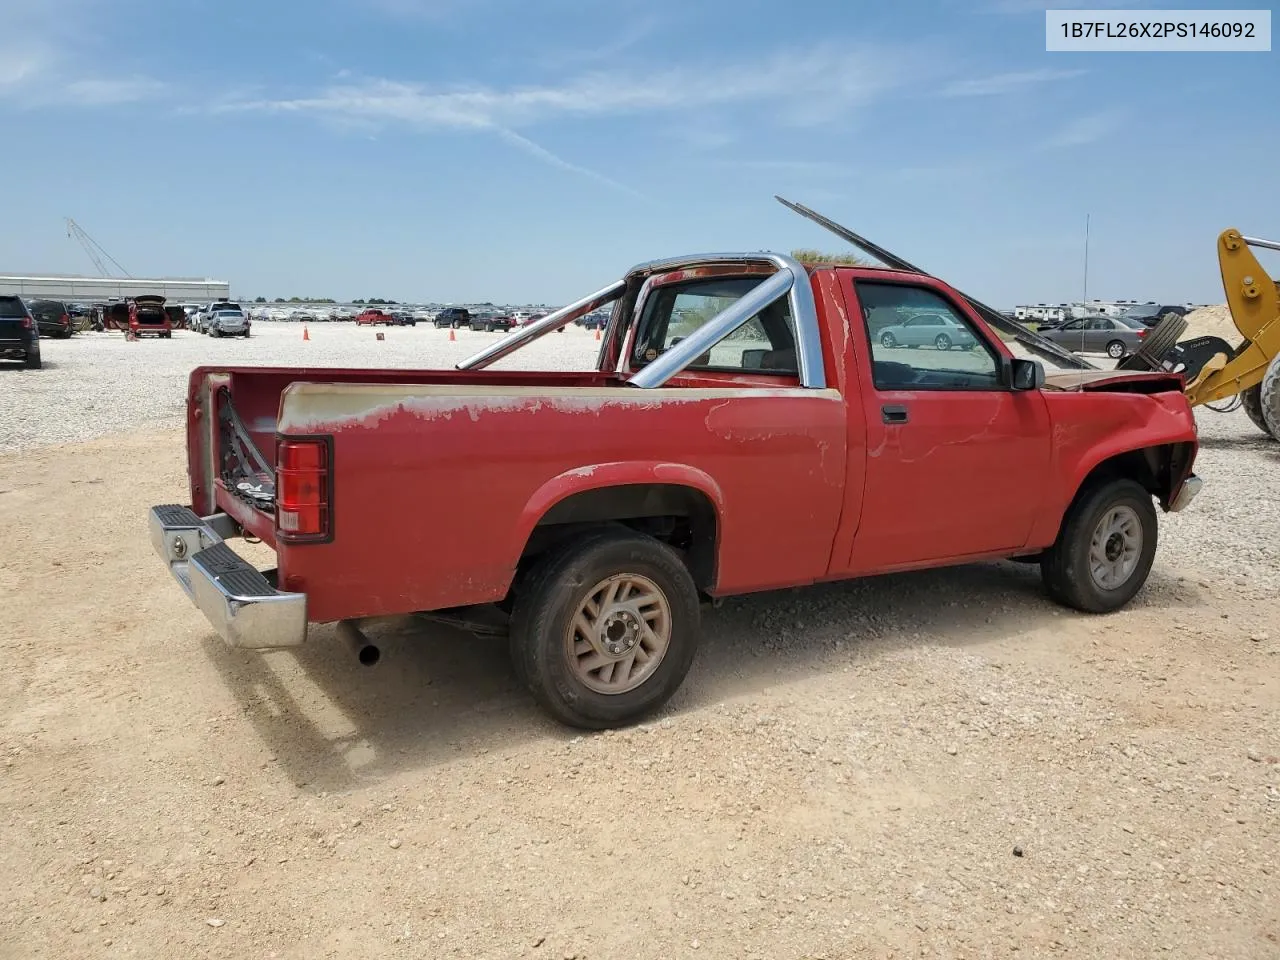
(604,630)
(888,340)
(1105,548)
(1115,349)
(942,342)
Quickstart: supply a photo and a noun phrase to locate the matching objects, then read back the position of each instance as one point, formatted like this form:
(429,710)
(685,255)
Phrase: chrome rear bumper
(237,599)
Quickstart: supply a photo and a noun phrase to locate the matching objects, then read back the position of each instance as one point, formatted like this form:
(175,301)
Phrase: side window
(764,344)
(919,341)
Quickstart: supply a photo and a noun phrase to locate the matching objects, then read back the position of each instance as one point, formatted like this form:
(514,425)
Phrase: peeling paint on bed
(325,408)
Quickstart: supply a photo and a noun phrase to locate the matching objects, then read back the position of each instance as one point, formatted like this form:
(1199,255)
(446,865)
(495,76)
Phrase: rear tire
(1115,349)
(550,650)
(1105,548)
(32,361)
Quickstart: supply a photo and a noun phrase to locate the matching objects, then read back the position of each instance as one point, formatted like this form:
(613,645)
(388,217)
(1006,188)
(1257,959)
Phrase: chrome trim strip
(521,335)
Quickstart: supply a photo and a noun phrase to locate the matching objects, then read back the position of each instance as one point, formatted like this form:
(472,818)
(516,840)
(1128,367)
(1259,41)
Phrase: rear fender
(602,475)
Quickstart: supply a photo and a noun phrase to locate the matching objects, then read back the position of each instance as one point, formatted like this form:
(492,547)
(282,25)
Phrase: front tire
(1269,399)
(1251,403)
(1105,548)
(888,341)
(604,630)
(942,342)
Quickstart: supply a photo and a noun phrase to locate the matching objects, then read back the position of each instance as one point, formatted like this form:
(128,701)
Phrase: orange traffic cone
(452,335)
(597,333)
(305,334)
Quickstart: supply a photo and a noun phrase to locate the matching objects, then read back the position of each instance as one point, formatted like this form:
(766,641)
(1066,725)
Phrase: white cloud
(1002,83)
(826,82)
(46,43)
(1087,129)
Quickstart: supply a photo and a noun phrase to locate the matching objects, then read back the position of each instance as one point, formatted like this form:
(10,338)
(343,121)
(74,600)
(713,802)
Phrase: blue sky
(462,150)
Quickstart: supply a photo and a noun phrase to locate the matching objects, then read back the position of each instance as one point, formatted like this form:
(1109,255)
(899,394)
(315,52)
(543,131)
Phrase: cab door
(957,463)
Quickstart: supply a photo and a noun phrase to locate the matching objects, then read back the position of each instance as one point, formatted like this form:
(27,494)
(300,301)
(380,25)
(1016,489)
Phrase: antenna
(1086,261)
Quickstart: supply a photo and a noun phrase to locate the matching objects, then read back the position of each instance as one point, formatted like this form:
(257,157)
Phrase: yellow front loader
(1252,369)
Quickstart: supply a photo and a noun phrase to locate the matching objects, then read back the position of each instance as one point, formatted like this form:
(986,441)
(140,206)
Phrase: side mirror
(1026,374)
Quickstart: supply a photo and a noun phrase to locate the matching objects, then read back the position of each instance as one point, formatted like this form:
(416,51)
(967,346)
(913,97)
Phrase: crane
(94,249)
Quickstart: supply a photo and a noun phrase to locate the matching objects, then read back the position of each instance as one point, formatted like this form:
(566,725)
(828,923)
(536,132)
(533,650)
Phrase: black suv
(1152,313)
(53,318)
(19,337)
(453,317)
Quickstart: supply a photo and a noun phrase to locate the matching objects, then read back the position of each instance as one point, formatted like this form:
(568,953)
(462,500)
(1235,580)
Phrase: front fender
(600,475)
(1090,434)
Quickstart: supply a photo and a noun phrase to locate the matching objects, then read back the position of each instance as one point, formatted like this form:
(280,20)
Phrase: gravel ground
(99,383)
(938,764)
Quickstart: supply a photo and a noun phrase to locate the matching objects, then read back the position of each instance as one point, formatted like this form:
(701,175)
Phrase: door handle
(893,413)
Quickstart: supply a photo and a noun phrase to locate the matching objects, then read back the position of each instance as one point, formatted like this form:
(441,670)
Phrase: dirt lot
(938,764)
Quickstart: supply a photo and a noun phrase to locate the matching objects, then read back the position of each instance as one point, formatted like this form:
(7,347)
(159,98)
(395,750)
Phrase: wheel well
(1158,468)
(682,517)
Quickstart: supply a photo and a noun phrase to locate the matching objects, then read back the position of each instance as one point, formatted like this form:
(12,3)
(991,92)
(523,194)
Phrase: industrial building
(98,289)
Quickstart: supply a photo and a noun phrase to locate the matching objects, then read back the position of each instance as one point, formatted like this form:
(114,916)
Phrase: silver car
(227,322)
(928,330)
(1114,336)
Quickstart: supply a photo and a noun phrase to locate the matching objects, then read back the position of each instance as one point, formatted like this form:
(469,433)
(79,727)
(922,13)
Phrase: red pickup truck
(745,430)
(373,317)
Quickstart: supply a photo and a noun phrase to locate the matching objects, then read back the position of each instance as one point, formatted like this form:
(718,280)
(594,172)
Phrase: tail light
(302,490)
(27,323)
(1142,333)
(65,320)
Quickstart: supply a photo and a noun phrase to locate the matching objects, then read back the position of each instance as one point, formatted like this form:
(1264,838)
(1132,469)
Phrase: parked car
(228,320)
(769,443)
(1149,314)
(177,316)
(1114,336)
(145,316)
(490,322)
(928,330)
(53,318)
(374,317)
(403,319)
(453,317)
(19,334)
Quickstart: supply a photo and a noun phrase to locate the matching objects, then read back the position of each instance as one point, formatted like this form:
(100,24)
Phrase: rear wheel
(1105,548)
(604,630)
(1115,349)
(32,361)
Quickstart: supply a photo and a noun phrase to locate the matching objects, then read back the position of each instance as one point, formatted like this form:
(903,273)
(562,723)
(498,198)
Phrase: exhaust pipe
(365,650)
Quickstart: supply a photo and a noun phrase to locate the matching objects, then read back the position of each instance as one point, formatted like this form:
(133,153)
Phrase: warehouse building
(98,289)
